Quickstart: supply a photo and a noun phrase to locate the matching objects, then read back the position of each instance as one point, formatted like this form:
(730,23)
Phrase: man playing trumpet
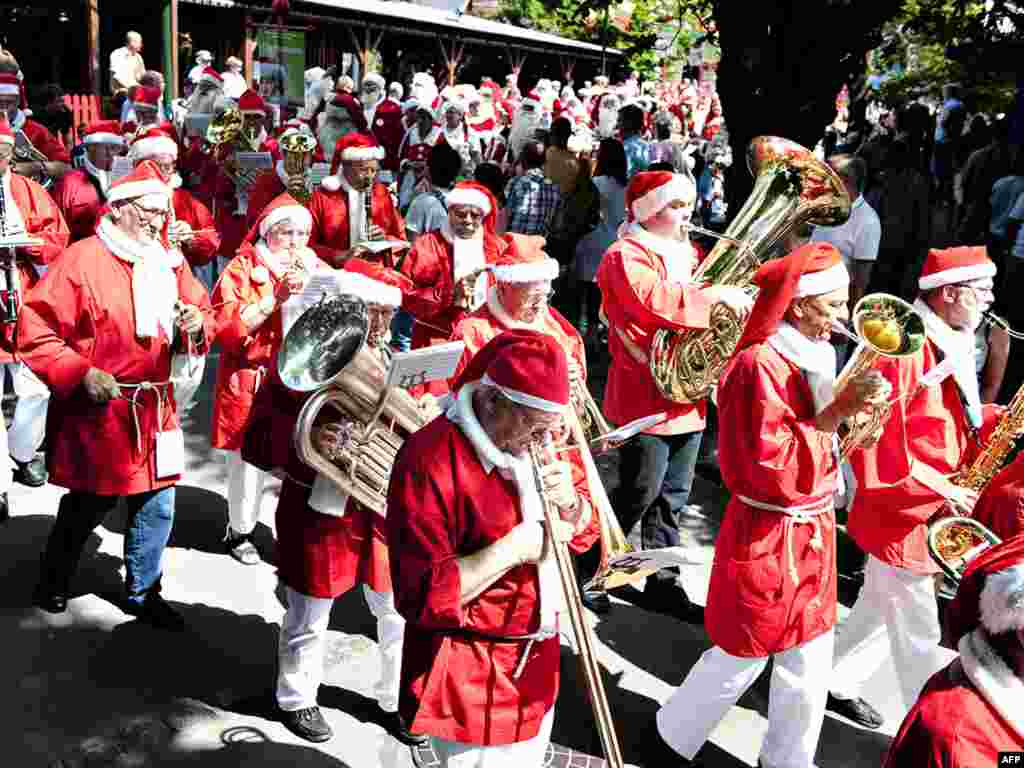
(472,562)
(904,479)
(773,583)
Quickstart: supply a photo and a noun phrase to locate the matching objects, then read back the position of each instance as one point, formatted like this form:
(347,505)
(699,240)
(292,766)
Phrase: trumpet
(886,326)
(464,290)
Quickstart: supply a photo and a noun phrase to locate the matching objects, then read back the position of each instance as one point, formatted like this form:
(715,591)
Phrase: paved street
(92,687)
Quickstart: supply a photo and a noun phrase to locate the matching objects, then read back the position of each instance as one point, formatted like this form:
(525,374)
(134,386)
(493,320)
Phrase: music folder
(420,366)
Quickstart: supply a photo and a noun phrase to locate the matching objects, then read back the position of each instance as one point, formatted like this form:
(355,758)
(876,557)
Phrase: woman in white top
(610,181)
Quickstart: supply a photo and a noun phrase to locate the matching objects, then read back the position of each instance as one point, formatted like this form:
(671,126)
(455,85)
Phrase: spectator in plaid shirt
(532,199)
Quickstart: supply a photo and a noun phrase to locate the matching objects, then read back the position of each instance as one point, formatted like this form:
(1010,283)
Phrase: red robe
(638,300)
(219,187)
(443,505)
(78,196)
(200,249)
(429,265)
(388,129)
(43,220)
(81,316)
(771,453)
(952,725)
(1001,506)
(268,185)
(889,512)
(45,142)
(330,220)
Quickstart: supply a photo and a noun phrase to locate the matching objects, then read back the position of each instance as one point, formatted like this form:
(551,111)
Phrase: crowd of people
(536,228)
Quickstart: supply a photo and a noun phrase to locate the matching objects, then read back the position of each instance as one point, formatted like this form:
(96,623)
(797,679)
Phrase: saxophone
(993,455)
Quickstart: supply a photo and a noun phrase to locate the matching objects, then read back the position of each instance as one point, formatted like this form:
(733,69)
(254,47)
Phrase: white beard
(523,130)
(369,110)
(607,119)
(204,103)
(330,132)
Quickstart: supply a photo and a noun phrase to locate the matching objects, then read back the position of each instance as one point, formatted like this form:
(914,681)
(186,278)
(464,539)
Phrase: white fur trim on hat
(1001,605)
(132,189)
(524,398)
(283,213)
(369,290)
(823,281)
(474,197)
(103,138)
(532,272)
(352,154)
(152,146)
(956,275)
(680,188)
(9,89)
(331,183)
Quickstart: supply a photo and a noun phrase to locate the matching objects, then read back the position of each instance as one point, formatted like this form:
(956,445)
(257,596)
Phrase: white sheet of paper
(120,168)
(627,431)
(666,557)
(468,257)
(378,246)
(318,284)
(420,366)
(170,453)
(196,124)
(254,161)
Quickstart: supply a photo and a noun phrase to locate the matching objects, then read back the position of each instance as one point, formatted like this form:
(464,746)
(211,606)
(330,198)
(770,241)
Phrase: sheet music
(378,246)
(318,284)
(254,161)
(196,124)
(318,172)
(120,168)
(409,369)
(656,559)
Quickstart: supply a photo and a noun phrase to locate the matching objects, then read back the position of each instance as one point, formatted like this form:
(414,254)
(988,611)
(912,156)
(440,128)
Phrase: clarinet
(12,297)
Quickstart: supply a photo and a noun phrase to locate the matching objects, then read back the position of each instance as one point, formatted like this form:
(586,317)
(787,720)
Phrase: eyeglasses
(148,215)
(986,289)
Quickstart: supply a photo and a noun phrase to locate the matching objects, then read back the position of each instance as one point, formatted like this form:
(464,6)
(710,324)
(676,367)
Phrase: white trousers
(245,489)
(796,701)
(895,614)
(303,641)
(522,754)
(28,427)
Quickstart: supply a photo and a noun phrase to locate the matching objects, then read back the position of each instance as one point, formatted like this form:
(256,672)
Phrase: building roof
(413,18)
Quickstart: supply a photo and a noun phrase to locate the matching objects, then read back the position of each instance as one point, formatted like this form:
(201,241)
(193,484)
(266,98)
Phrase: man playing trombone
(472,562)
(773,582)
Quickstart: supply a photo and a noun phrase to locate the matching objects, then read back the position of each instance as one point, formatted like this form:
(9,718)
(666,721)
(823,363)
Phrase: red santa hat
(650,191)
(212,76)
(478,196)
(351,147)
(251,103)
(955,265)
(374,283)
(103,132)
(524,261)
(533,98)
(991,592)
(811,270)
(152,142)
(528,367)
(146,96)
(6,134)
(145,179)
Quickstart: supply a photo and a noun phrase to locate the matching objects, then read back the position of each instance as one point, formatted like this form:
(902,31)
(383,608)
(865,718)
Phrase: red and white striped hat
(524,261)
(151,142)
(955,265)
(103,132)
(650,191)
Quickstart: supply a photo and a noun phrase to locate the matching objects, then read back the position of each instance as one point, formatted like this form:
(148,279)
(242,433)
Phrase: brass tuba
(791,187)
(954,541)
(327,350)
(295,145)
(886,326)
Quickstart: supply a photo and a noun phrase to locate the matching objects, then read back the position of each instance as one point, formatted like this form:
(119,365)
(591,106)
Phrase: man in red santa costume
(191,226)
(779,460)
(930,433)
(342,115)
(472,563)
(26,210)
(81,193)
(352,207)
(973,710)
(447,267)
(100,330)
(12,111)
(272,183)
(384,119)
(273,263)
(484,125)
(145,106)
(327,541)
(415,148)
(1000,507)
(645,285)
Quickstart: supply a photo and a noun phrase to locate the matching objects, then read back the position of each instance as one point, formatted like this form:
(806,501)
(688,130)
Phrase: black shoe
(598,602)
(395,725)
(158,613)
(665,596)
(31,473)
(5,509)
(308,724)
(50,601)
(856,710)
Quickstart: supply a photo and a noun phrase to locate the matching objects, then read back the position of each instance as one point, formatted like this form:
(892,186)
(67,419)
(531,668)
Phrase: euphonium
(886,326)
(295,146)
(954,541)
(327,349)
(791,187)
(224,128)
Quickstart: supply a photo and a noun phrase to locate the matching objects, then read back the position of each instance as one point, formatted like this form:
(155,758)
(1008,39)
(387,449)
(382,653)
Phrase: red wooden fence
(86,108)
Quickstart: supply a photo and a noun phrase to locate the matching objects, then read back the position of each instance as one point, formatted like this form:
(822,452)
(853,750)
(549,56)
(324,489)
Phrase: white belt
(801,514)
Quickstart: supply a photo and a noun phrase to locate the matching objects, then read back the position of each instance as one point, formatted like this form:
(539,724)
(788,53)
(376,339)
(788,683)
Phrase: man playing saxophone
(645,285)
(906,477)
(471,560)
(773,582)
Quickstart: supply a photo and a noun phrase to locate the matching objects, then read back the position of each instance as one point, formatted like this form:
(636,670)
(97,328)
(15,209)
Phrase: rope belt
(802,514)
(524,655)
(160,388)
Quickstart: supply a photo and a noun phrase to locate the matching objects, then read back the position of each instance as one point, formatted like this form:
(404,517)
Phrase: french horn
(791,188)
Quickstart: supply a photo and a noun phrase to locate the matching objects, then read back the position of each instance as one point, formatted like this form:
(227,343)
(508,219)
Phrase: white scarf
(154,282)
(958,349)
(520,470)
(467,256)
(357,224)
(506,320)
(676,255)
(278,264)
(993,679)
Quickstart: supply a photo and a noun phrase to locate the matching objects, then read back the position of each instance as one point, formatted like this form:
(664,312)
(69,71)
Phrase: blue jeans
(150,517)
(656,474)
